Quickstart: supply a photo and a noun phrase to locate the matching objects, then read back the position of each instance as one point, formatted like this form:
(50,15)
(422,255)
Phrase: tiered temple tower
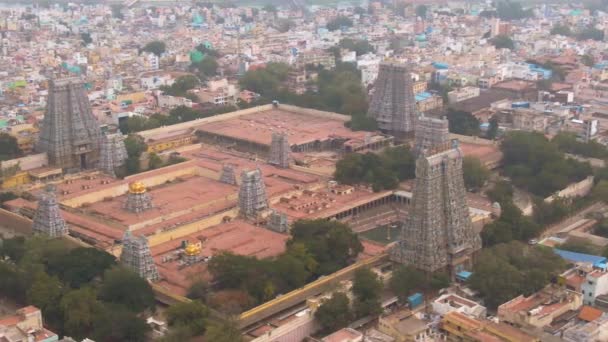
(278,222)
(393,104)
(438,234)
(252,194)
(70,134)
(136,255)
(227,176)
(48,220)
(280,152)
(430,132)
(138,199)
(113,153)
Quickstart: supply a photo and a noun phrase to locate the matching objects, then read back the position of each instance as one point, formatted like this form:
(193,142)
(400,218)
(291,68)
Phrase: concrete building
(462,94)
(70,134)
(595,284)
(25,325)
(454,303)
(404,326)
(539,309)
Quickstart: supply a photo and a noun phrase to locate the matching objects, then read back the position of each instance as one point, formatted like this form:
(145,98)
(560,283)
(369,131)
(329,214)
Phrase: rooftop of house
(343,335)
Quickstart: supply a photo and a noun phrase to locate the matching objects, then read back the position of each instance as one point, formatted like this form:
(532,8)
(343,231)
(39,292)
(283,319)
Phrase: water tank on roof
(521,104)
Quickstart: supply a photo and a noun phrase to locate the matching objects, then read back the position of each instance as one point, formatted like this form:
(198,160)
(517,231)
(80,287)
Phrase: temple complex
(228,175)
(430,132)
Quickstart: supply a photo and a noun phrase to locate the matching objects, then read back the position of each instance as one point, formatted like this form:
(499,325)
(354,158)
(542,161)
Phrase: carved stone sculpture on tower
(136,256)
(438,233)
(70,134)
(113,153)
(393,104)
(280,151)
(252,194)
(138,199)
(47,219)
(430,132)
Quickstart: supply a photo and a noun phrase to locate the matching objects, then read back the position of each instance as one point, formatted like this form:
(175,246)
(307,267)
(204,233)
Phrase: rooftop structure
(452,302)
(438,233)
(25,325)
(136,255)
(48,220)
(280,151)
(70,134)
(113,153)
(138,199)
(539,309)
(458,326)
(252,194)
(278,222)
(393,104)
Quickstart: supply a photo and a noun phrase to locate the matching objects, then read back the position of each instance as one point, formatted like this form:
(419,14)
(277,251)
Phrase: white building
(451,302)
(168,101)
(596,283)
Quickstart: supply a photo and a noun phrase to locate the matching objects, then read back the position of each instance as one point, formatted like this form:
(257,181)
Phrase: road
(579,216)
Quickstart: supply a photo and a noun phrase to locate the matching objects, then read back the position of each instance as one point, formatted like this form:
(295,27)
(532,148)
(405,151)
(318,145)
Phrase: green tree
(360,46)
(590,33)
(334,313)
(123,286)
(588,60)
(511,10)
(339,22)
(461,122)
(154,161)
(507,270)
(117,11)
(561,29)
(135,146)
(405,280)
(191,315)
(367,289)
(475,173)
(223,331)
(86,38)
(580,246)
(45,291)
(80,265)
(9,149)
(79,308)
(492,131)
(156,47)
(207,67)
(114,322)
(502,42)
(421,11)
(332,243)
(198,290)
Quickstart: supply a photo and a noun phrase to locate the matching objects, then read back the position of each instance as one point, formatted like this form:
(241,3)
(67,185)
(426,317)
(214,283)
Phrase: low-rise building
(404,326)
(25,325)
(539,309)
(452,302)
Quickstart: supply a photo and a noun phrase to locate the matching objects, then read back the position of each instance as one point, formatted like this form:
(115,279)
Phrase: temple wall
(191,227)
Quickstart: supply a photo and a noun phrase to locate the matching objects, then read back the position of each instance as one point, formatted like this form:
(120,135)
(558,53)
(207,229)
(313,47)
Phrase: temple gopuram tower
(430,132)
(280,152)
(136,256)
(138,198)
(113,153)
(227,176)
(392,104)
(252,194)
(70,134)
(438,233)
(47,219)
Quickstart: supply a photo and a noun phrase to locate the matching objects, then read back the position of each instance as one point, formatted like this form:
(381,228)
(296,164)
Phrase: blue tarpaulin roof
(463,275)
(580,257)
(423,96)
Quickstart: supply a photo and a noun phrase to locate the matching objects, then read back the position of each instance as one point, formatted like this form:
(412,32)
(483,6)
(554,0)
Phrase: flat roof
(258,127)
